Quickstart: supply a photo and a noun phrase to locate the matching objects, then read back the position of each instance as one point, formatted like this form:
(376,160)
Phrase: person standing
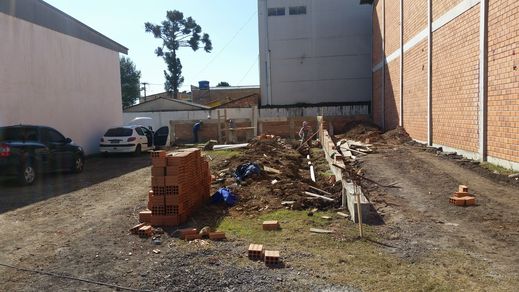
(304,133)
(196,128)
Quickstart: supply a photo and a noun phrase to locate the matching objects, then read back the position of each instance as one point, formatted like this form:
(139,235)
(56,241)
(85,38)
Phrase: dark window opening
(119,132)
(277,11)
(297,10)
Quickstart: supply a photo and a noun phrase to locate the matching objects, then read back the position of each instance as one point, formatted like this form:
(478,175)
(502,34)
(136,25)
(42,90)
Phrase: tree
(130,82)
(176,32)
(223,84)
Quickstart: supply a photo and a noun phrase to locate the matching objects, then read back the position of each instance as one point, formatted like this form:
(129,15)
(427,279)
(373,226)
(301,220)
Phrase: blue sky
(231,24)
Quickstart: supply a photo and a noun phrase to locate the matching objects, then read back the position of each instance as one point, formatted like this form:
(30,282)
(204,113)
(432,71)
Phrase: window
(119,132)
(297,10)
(139,131)
(277,11)
(54,136)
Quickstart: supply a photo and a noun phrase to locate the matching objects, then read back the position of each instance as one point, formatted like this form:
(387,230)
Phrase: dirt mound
(396,136)
(268,190)
(364,131)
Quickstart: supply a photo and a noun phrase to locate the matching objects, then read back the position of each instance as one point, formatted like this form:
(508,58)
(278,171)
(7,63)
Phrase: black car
(27,151)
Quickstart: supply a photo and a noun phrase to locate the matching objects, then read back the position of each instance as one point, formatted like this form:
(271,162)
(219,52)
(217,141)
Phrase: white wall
(52,79)
(321,56)
(160,119)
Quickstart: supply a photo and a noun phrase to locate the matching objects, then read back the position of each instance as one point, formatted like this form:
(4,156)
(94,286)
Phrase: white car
(127,139)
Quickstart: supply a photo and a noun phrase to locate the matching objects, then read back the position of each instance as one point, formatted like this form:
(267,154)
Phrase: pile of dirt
(364,131)
(368,132)
(396,136)
(268,190)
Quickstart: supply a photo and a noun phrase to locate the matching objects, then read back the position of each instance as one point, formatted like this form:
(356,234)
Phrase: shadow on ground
(97,170)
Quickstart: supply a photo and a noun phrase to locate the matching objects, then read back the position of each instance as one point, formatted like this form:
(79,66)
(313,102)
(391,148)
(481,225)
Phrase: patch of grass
(342,258)
(496,168)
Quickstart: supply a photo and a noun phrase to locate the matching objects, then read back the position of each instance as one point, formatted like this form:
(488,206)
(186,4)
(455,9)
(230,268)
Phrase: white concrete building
(58,72)
(314,51)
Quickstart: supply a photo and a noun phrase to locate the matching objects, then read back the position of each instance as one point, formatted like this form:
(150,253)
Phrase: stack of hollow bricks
(180,183)
(462,197)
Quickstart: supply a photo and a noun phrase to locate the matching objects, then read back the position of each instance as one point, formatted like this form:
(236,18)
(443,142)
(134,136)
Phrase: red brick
(145,216)
(145,231)
(217,235)
(136,228)
(255,251)
(271,257)
(187,231)
(270,225)
(158,171)
(158,161)
(157,181)
(190,237)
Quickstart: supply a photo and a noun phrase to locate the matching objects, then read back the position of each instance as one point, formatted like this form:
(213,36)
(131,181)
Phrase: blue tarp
(245,170)
(225,195)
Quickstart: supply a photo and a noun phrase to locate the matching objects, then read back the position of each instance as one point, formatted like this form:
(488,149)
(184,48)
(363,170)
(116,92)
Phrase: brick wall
(455,77)
(415,18)
(503,79)
(392,22)
(392,94)
(377,98)
(440,7)
(415,91)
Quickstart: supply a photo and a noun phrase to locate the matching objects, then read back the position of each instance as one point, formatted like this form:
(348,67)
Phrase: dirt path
(419,217)
(82,231)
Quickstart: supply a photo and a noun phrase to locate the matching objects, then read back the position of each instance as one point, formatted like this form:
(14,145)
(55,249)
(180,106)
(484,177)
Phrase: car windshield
(119,132)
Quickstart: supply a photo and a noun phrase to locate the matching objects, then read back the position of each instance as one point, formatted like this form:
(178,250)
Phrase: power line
(248,71)
(226,45)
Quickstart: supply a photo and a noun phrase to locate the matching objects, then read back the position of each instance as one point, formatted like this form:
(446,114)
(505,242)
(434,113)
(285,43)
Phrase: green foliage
(176,32)
(130,82)
(223,84)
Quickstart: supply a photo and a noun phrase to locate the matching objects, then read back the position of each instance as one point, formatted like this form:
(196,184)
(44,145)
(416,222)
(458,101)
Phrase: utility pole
(144,84)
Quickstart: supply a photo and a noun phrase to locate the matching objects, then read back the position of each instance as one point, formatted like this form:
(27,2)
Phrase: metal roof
(43,14)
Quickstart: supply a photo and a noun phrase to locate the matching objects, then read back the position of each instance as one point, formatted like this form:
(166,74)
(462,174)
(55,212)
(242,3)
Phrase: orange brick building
(447,71)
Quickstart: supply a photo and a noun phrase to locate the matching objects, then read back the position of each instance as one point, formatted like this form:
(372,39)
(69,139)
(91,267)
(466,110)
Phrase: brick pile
(269,257)
(462,197)
(180,184)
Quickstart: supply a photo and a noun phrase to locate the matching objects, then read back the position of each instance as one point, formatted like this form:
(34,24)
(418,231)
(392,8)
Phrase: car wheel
(138,150)
(27,174)
(79,164)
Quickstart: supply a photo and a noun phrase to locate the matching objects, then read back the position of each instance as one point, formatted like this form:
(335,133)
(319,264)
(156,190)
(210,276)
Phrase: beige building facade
(57,72)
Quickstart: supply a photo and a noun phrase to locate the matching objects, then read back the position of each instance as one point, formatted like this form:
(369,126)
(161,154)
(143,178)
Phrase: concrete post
(429,73)
(483,78)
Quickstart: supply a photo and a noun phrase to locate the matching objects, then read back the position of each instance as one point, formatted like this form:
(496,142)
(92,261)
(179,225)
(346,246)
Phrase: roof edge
(43,14)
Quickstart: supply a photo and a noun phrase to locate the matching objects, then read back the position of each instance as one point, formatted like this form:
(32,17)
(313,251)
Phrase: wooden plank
(271,170)
(324,231)
(319,196)
(322,191)
(343,214)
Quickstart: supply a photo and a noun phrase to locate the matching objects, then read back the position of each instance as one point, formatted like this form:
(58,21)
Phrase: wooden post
(219,128)
(291,127)
(359,211)
(226,126)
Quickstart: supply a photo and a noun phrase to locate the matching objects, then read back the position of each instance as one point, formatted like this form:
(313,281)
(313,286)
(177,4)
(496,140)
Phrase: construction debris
(180,183)
(462,197)
(271,257)
(271,225)
(317,230)
(255,251)
(319,196)
(343,214)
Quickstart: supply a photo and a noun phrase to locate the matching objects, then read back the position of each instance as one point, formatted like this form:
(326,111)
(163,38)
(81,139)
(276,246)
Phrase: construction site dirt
(72,236)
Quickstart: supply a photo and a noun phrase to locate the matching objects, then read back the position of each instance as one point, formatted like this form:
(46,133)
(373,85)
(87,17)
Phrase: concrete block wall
(480,124)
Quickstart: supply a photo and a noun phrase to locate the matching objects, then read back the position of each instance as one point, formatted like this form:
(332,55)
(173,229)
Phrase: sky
(231,24)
